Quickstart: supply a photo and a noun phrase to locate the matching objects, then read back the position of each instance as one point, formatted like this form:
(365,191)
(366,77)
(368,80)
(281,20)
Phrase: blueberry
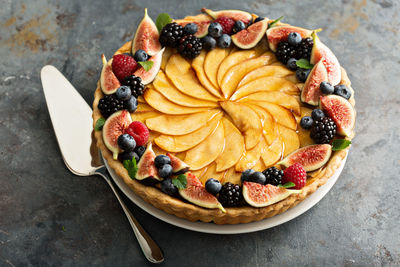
(215,29)
(165,171)
(246,175)
(326,88)
(128,155)
(213,186)
(317,114)
(141,55)
(302,74)
(291,64)
(123,93)
(238,26)
(190,28)
(224,41)
(126,142)
(140,150)
(209,42)
(258,19)
(161,160)
(343,91)
(131,104)
(294,38)
(168,187)
(306,122)
(257,177)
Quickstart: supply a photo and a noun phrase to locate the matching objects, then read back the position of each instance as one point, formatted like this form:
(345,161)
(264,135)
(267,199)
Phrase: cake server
(72,121)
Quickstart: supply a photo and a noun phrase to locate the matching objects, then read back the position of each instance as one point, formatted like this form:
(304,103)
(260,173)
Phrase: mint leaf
(180,182)
(287,185)
(147,65)
(274,22)
(131,167)
(304,64)
(162,20)
(339,144)
(99,124)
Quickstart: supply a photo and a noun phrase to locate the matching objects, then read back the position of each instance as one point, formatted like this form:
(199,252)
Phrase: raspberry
(139,132)
(295,174)
(123,65)
(226,23)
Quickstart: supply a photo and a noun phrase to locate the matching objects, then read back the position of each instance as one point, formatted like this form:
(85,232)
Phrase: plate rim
(212,228)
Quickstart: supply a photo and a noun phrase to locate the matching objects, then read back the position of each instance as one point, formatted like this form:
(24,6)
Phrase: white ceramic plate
(212,228)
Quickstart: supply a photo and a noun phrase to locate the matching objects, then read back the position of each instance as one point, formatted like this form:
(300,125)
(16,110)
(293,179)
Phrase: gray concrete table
(48,216)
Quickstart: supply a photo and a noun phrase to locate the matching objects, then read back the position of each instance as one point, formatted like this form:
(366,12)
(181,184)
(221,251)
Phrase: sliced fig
(258,195)
(178,166)
(196,193)
(310,93)
(202,22)
(278,34)
(341,112)
(233,14)
(109,83)
(249,38)
(148,76)
(147,171)
(312,157)
(114,126)
(321,51)
(146,37)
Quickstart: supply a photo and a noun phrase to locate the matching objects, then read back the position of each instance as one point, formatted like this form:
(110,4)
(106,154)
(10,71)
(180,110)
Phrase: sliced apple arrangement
(223,121)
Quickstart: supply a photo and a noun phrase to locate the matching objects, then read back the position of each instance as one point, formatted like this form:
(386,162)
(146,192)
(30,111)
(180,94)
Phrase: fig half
(310,93)
(249,38)
(109,83)
(146,36)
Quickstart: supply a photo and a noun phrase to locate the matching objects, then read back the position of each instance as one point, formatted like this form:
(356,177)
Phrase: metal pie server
(72,121)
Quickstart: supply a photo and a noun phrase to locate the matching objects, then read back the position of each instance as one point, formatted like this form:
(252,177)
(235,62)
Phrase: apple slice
(275,71)
(143,116)
(275,97)
(233,59)
(270,130)
(289,138)
(197,65)
(232,176)
(280,114)
(179,71)
(165,57)
(304,135)
(273,153)
(246,120)
(207,151)
(211,172)
(234,146)
(181,143)
(144,107)
(212,63)
(180,124)
(260,166)
(251,157)
(265,84)
(236,73)
(167,89)
(161,103)
(140,99)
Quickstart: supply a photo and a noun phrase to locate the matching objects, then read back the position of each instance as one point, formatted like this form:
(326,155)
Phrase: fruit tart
(224,116)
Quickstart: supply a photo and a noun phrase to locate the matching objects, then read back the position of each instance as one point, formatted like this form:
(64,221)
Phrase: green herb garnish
(339,144)
(304,64)
(162,20)
(287,185)
(274,22)
(99,124)
(147,65)
(180,182)
(131,167)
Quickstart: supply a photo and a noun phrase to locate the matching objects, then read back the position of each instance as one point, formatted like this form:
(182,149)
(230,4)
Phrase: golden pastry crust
(233,215)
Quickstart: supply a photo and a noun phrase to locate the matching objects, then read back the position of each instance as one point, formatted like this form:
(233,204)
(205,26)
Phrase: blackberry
(285,51)
(170,34)
(110,104)
(230,195)
(190,46)
(136,85)
(323,130)
(273,175)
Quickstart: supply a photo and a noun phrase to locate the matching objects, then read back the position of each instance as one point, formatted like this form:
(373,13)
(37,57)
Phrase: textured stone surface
(48,216)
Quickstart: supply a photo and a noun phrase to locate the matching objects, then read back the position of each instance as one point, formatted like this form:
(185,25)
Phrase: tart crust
(233,215)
